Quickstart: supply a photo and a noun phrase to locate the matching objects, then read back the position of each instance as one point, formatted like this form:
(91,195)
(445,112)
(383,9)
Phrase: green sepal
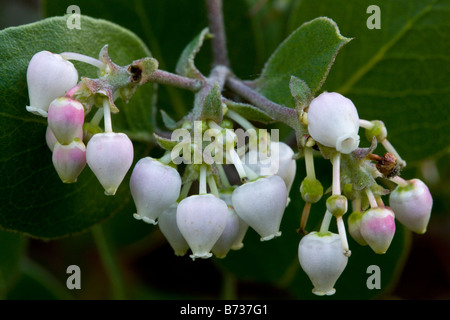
(186,66)
(166,144)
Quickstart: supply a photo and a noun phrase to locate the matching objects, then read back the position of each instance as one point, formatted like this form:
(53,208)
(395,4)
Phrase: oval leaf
(308,54)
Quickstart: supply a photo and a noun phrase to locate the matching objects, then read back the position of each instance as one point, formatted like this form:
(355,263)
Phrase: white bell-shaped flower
(167,222)
(242,225)
(377,227)
(238,242)
(109,155)
(333,121)
(154,187)
(228,236)
(321,257)
(69,160)
(65,119)
(49,76)
(261,205)
(202,220)
(412,205)
(279,160)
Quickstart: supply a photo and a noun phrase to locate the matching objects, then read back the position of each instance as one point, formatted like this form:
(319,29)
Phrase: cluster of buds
(333,124)
(214,219)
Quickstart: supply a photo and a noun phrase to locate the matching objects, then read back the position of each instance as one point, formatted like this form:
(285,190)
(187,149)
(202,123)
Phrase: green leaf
(397,74)
(186,66)
(308,54)
(33,200)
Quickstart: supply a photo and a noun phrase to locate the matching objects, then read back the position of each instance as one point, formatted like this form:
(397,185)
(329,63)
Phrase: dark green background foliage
(397,74)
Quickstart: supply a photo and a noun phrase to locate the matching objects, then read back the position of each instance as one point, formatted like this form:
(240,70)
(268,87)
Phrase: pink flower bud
(154,187)
(412,205)
(261,205)
(169,228)
(50,138)
(69,160)
(48,76)
(228,236)
(65,119)
(378,228)
(109,155)
(202,220)
(322,258)
(334,122)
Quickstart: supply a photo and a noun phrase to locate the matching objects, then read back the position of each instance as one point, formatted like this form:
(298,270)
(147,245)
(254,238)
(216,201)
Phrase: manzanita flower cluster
(198,206)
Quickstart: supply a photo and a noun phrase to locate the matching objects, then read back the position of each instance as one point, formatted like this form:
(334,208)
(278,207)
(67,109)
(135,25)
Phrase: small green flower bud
(311,190)
(226,124)
(337,205)
(354,225)
(378,131)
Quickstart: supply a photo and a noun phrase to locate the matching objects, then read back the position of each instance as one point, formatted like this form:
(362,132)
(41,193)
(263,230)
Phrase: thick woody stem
(217,28)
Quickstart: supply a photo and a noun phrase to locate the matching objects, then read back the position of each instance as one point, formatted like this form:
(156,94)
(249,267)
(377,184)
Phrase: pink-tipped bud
(321,257)
(110,155)
(202,220)
(154,187)
(69,160)
(412,205)
(65,119)
(334,122)
(261,205)
(169,228)
(378,228)
(48,76)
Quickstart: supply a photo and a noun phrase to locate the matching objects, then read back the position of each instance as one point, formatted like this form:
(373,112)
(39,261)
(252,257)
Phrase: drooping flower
(109,155)
(412,205)
(154,187)
(321,257)
(333,121)
(377,227)
(202,220)
(65,119)
(69,160)
(167,222)
(49,76)
(261,205)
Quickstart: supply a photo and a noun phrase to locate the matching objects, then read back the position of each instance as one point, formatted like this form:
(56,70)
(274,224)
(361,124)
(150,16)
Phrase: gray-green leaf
(308,54)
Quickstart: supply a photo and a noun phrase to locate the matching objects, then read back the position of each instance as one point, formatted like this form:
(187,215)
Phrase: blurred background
(418,268)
